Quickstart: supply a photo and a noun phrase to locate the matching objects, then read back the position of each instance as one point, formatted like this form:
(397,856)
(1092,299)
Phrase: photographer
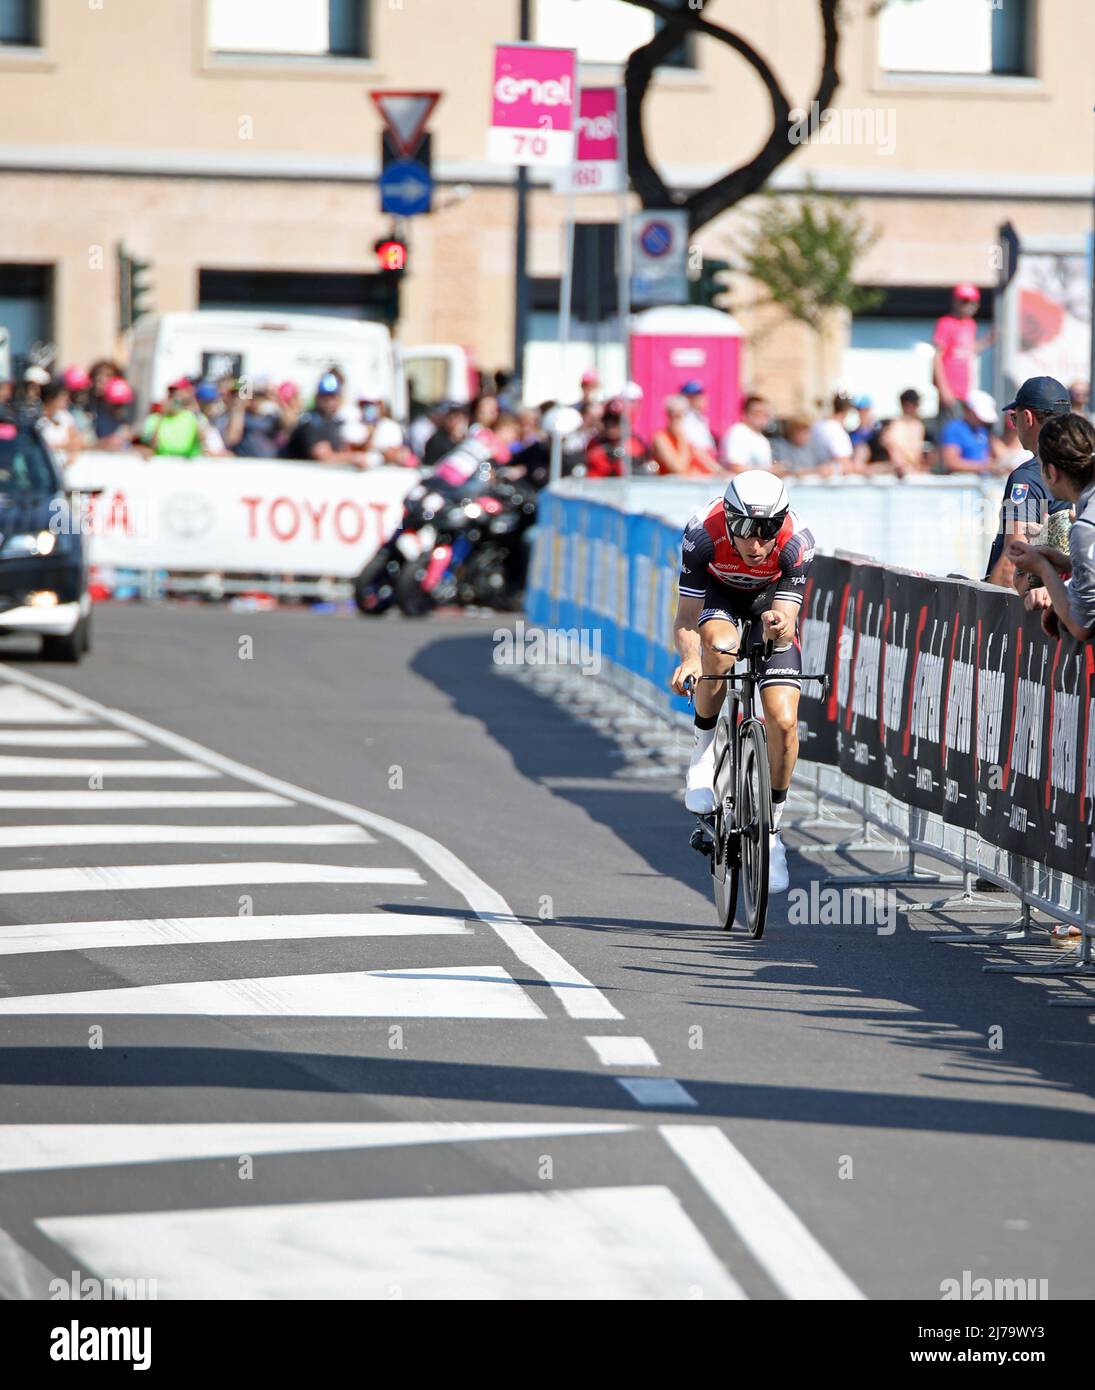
(1066,449)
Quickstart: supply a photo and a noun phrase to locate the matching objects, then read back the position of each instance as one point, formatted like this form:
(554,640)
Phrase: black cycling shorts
(736,606)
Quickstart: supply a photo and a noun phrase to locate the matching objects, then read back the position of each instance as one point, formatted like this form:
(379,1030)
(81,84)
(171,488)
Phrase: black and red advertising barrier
(948,695)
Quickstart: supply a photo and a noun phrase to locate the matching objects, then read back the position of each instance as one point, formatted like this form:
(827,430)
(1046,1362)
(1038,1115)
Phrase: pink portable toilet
(674,345)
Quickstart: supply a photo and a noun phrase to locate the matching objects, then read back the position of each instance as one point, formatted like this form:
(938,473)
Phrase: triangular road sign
(405,114)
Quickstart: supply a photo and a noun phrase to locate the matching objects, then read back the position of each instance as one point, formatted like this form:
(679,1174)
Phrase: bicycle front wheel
(724,873)
(754,825)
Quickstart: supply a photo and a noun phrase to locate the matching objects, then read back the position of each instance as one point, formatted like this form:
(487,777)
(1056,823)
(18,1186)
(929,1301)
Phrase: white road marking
(111,769)
(18,705)
(102,833)
(116,877)
(22,1277)
(38,1148)
(778,1240)
(578,996)
(135,801)
(70,738)
(441,991)
(34,938)
(623,1052)
(588,1243)
(657,1092)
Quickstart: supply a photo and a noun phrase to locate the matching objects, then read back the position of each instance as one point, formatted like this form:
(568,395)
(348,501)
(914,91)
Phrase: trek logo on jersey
(1019,492)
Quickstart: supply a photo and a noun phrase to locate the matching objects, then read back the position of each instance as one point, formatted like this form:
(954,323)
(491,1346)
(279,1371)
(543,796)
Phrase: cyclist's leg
(719,639)
(780,685)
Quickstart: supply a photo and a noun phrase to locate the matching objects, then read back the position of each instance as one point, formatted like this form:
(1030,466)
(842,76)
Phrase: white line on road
(578,996)
(70,738)
(623,1052)
(14,766)
(22,1277)
(135,801)
(33,939)
(656,1092)
(442,991)
(766,1224)
(577,1243)
(101,833)
(37,1148)
(19,705)
(106,878)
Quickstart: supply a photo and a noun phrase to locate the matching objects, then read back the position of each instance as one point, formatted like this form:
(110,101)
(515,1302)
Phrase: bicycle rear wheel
(754,824)
(724,873)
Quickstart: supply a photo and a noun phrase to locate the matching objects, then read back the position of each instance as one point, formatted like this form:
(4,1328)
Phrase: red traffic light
(391,255)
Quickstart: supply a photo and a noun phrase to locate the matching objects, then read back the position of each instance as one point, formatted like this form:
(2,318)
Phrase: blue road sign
(405,188)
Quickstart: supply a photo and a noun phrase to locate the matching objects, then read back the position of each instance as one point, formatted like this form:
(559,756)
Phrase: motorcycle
(375,588)
(480,555)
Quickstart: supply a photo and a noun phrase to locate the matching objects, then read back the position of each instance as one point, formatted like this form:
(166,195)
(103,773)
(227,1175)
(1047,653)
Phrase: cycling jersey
(708,553)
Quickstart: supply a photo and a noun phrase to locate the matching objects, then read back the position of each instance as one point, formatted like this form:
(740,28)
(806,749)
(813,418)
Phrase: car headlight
(29,543)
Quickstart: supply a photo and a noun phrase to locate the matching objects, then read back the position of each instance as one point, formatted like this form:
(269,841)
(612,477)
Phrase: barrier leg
(867,843)
(911,876)
(820,820)
(968,900)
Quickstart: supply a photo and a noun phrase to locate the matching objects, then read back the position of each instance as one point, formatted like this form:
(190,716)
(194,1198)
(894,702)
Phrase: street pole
(520,253)
(623,274)
(1091,368)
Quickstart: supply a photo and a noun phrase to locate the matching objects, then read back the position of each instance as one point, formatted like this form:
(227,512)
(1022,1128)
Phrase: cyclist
(746,555)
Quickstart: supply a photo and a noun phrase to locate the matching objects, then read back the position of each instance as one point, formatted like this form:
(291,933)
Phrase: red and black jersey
(707,552)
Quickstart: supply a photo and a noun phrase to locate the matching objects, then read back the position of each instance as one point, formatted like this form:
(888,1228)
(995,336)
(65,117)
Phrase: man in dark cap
(1027,501)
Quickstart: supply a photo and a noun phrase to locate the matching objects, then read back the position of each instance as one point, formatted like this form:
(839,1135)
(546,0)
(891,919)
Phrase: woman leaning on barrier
(1066,452)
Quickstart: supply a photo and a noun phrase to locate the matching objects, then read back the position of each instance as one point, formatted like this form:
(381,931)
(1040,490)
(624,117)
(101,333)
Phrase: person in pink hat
(956,349)
(590,382)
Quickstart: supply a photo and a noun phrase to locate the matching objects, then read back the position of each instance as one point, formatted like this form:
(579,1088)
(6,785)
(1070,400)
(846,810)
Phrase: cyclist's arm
(796,557)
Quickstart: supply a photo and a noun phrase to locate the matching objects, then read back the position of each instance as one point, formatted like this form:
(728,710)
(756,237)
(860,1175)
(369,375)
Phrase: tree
(803,249)
(706,203)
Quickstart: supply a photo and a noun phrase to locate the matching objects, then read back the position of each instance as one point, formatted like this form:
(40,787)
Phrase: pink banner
(598,129)
(534,88)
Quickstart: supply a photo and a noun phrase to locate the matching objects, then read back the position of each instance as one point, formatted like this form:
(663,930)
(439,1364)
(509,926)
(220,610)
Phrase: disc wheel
(754,825)
(724,876)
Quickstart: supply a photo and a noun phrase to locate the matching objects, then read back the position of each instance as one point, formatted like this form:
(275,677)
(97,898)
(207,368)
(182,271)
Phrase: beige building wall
(123,125)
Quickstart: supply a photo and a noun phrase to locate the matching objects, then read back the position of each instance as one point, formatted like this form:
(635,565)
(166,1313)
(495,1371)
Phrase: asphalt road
(268,1026)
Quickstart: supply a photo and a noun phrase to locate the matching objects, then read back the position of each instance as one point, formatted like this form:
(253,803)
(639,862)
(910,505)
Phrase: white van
(437,372)
(285,347)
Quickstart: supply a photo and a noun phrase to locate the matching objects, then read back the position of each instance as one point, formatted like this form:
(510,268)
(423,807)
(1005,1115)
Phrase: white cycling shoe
(699,787)
(779,879)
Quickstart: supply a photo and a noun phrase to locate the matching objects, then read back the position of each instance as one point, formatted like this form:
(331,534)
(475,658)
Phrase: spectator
(176,430)
(606,456)
(78,385)
(745,445)
(1066,450)
(103,412)
(452,429)
(210,412)
(697,427)
(318,435)
(253,428)
(791,451)
(956,347)
(1079,394)
(30,397)
(423,427)
(384,442)
(590,382)
(287,400)
(112,418)
(673,450)
(866,445)
(1027,502)
(56,424)
(903,439)
(966,444)
(830,441)
(7,390)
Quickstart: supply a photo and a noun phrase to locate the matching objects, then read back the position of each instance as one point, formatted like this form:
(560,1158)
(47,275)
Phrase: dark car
(43,565)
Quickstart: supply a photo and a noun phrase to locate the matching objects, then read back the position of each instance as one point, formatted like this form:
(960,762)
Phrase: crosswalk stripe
(15,766)
(21,706)
(773,1233)
(443,991)
(656,1092)
(589,1243)
(623,1052)
(70,738)
(136,801)
(114,877)
(39,1148)
(22,939)
(17,836)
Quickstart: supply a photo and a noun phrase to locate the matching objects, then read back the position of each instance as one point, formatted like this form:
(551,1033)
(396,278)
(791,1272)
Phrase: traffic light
(133,288)
(709,285)
(391,255)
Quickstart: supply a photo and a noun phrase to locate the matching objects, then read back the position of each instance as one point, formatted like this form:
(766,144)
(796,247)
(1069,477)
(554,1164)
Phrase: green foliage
(804,249)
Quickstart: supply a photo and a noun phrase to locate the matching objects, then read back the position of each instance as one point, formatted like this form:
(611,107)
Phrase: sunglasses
(765,528)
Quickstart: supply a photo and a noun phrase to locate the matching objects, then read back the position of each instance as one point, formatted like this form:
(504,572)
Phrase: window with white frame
(289,28)
(603,31)
(957,38)
(19,23)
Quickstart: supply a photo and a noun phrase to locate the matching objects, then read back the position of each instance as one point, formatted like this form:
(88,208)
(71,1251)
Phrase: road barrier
(952,721)
(257,517)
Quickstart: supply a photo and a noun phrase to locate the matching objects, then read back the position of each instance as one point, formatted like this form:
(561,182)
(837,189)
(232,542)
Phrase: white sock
(777,815)
(701,742)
